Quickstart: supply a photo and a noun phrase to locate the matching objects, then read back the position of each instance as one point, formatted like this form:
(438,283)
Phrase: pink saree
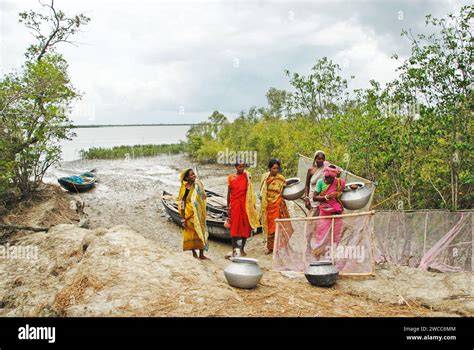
(321,236)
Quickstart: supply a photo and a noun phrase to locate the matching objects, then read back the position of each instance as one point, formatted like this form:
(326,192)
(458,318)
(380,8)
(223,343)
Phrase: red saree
(239,222)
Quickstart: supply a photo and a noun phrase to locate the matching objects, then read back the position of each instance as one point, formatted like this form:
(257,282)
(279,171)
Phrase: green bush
(135,151)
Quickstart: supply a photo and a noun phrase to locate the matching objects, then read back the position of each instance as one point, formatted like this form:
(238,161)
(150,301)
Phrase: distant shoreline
(125,125)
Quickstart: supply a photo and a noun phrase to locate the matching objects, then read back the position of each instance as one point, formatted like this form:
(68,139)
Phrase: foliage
(413,136)
(35,101)
(320,93)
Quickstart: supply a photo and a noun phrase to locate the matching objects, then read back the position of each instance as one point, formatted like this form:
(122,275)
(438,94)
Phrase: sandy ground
(129,261)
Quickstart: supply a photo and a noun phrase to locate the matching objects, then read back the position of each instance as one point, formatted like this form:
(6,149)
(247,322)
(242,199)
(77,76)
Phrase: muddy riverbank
(127,260)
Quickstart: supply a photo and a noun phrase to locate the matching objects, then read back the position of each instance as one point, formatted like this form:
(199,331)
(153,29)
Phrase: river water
(129,191)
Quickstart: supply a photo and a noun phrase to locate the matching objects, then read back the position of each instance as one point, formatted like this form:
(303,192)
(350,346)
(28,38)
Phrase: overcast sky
(166,61)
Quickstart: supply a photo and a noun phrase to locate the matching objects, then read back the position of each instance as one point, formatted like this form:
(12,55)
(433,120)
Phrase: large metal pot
(294,189)
(355,195)
(243,273)
(321,273)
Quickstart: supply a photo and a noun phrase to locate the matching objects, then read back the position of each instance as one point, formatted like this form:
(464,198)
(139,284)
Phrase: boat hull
(78,188)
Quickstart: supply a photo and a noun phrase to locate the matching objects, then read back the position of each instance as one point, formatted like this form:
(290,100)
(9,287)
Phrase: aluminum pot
(321,274)
(354,199)
(294,189)
(243,273)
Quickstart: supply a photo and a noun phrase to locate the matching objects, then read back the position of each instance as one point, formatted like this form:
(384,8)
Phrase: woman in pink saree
(327,192)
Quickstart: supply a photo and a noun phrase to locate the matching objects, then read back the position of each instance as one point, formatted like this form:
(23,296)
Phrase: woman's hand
(307,203)
(333,195)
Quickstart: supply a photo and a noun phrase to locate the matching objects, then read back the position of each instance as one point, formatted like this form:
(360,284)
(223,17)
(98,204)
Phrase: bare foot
(242,253)
(268,252)
(202,257)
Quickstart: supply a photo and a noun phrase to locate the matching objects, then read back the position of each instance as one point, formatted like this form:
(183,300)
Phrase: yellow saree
(251,204)
(195,235)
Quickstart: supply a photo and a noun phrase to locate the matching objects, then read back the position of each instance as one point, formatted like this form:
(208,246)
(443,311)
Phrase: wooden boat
(215,222)
(70,184)
(216,203)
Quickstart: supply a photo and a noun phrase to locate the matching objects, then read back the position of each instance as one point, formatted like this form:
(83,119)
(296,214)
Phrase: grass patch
(135,151)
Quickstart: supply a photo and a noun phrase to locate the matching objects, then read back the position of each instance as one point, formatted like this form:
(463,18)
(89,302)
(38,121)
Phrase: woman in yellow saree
(192,208)
(273,205)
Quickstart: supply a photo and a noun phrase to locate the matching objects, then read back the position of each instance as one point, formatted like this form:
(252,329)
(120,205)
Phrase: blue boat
(78,183)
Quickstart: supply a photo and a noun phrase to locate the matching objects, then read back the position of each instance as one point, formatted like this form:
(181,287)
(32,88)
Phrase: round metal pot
(354,199)
(243,273)
(321,274)
(294,189)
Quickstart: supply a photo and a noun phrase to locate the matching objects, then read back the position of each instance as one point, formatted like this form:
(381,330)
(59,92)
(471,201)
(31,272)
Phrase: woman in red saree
(242,208)
(327,192)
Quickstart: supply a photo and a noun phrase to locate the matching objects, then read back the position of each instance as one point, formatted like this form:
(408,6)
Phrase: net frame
(306,220)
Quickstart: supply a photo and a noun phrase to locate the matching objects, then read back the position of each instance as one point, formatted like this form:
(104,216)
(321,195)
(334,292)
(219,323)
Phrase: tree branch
(27,228)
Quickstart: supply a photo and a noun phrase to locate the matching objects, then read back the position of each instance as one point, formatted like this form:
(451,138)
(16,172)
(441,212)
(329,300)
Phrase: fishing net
(346,240)
(430,239)
(435,239)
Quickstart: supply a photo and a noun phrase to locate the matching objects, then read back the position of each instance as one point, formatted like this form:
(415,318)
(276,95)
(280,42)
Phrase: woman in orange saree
(273,206)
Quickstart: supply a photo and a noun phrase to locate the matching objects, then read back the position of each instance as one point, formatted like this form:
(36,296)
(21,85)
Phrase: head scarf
(328,171)
(316,154)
